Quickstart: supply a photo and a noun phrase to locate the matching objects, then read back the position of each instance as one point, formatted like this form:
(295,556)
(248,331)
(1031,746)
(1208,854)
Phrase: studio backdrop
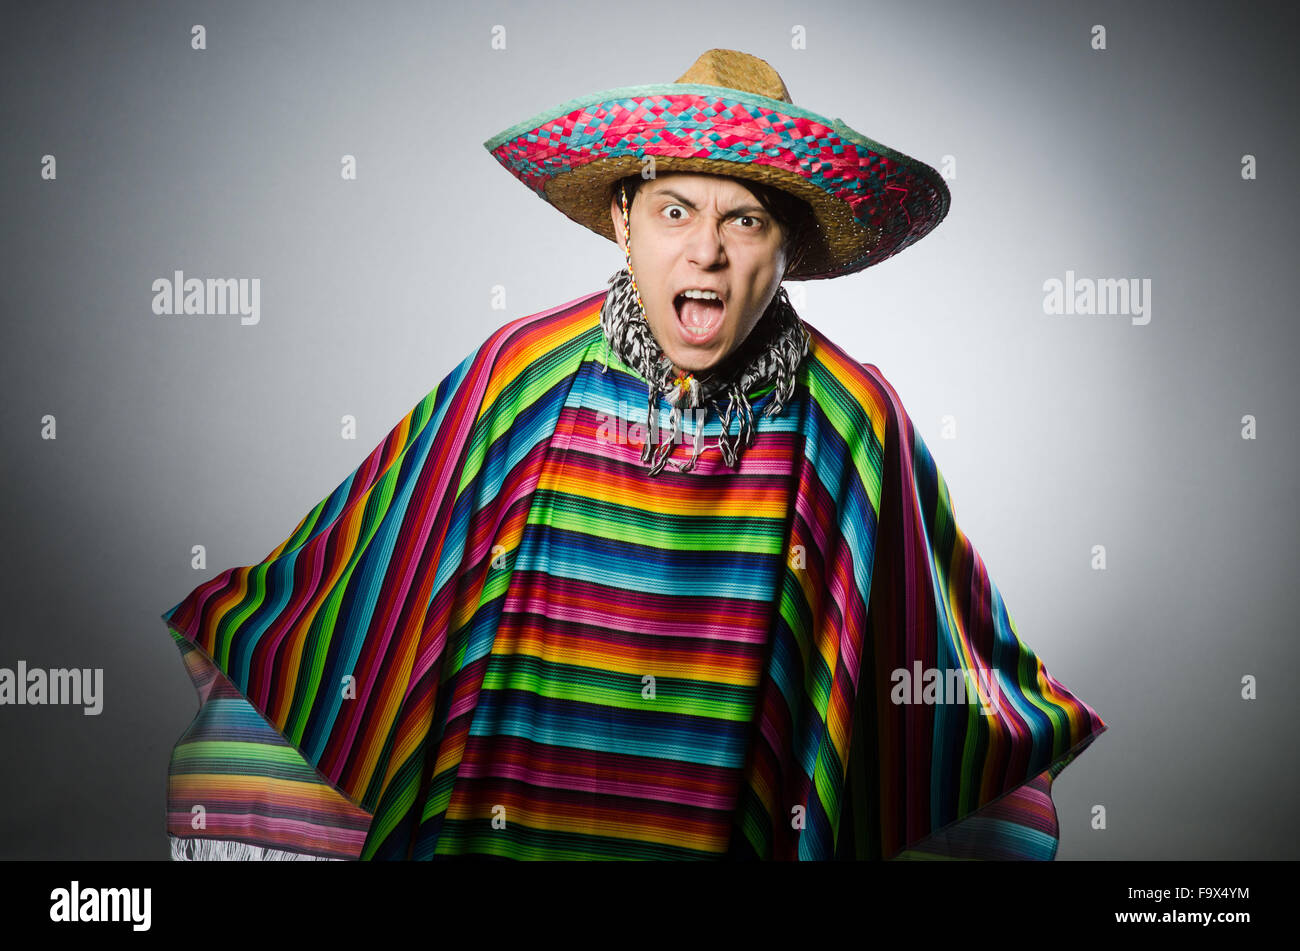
(1096,344)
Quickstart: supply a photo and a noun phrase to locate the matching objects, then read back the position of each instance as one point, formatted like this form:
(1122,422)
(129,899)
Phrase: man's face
(704,232)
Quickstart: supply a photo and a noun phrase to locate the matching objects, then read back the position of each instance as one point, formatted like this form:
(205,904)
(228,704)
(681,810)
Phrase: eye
(668,208)
(757,222)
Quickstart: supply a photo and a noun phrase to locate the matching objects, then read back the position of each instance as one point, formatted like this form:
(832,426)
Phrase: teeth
(701,295)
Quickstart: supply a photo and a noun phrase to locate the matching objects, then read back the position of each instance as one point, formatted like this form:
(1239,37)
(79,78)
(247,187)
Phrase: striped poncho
(499,637)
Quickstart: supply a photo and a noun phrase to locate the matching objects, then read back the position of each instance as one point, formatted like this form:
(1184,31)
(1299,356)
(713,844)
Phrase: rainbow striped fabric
(498,637)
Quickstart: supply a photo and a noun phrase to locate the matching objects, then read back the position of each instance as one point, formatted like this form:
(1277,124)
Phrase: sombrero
(730,114)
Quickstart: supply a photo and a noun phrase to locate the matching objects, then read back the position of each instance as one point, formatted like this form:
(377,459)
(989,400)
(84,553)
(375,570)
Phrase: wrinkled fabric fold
(238,791)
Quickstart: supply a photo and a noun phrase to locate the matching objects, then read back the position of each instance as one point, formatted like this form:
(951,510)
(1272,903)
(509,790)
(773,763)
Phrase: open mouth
(700,319)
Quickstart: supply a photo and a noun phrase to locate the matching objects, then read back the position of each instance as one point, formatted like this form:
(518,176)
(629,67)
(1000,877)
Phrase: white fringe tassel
(221,850)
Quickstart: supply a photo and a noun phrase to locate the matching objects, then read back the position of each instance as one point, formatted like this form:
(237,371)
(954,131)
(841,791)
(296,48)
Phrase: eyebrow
(739,209)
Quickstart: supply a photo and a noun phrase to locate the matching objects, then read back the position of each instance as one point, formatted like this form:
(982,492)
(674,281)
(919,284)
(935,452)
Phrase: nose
(704,245)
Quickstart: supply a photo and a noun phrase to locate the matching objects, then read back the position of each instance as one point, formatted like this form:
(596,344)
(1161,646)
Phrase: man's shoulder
(863,382)
(549,342)
(536,335)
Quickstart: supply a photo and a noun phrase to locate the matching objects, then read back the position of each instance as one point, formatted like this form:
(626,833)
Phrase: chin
(696,363)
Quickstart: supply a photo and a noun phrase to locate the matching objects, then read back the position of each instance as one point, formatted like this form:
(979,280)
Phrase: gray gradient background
(1073,431)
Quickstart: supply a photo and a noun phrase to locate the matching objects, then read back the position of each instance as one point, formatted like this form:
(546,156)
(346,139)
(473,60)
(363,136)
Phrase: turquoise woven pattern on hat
(882,192)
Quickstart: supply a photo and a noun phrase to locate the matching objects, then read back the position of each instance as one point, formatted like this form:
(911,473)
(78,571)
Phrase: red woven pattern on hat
(697,126)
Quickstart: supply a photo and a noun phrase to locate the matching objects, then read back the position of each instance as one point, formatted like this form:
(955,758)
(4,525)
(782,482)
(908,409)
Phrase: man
(536,623)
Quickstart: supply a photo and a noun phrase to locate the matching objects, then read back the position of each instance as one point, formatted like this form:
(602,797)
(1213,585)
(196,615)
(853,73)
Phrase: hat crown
(733,69)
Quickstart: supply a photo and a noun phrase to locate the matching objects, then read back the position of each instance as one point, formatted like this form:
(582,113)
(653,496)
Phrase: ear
(616,215)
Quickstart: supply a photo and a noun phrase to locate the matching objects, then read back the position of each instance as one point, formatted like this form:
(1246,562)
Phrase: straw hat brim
(869,201)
